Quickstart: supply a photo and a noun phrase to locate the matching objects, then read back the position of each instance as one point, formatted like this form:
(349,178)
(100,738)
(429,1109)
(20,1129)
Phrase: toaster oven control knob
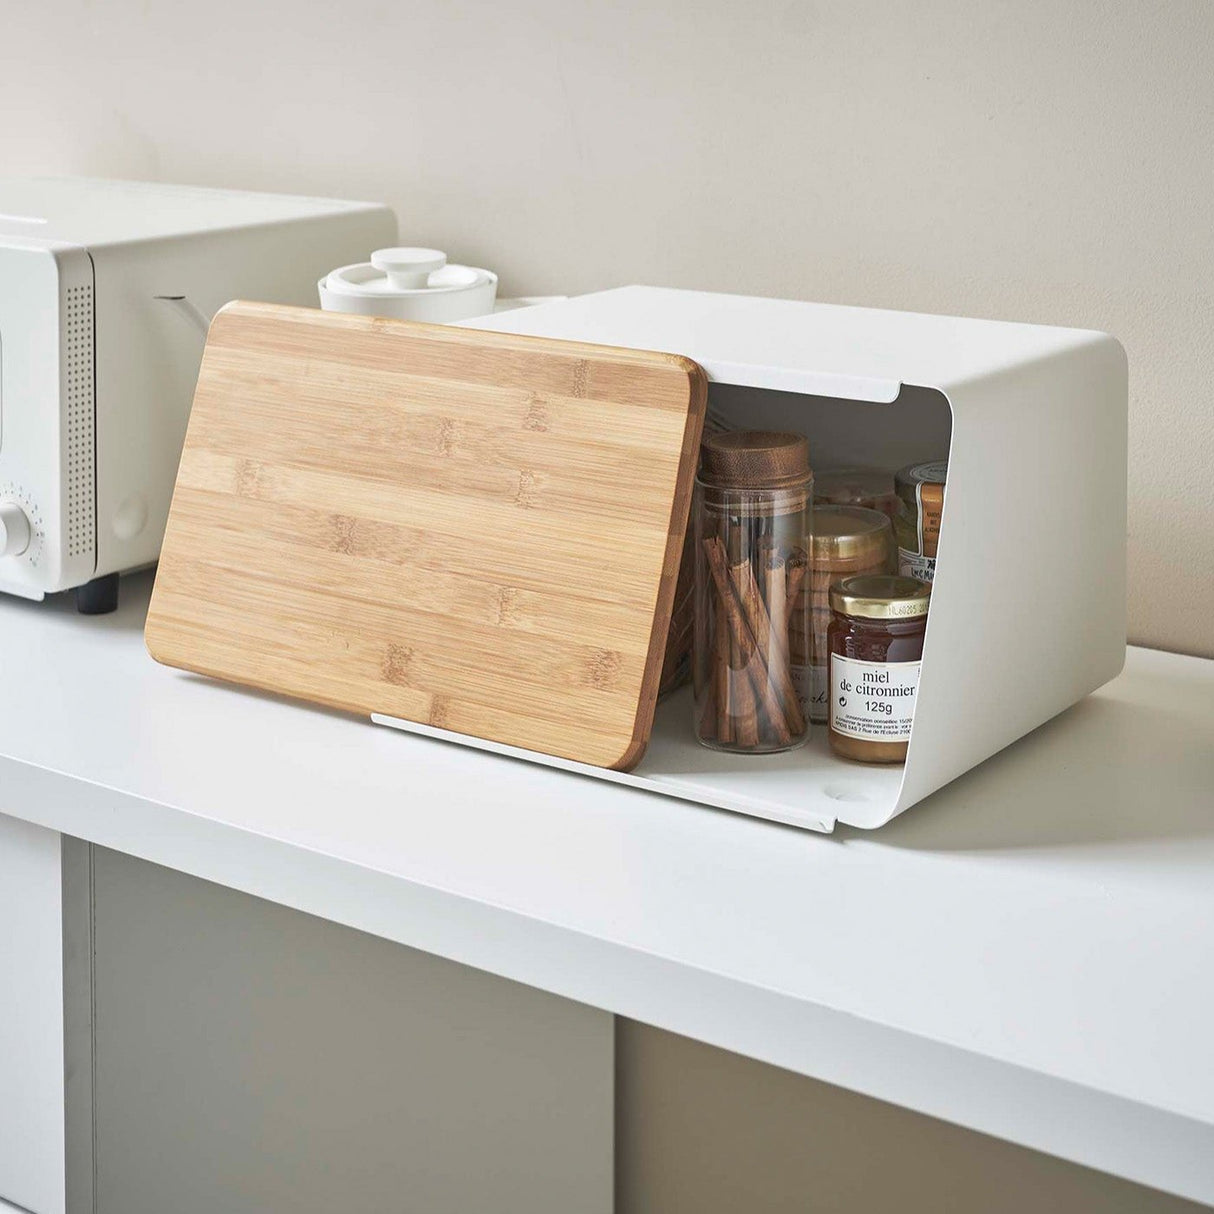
(14,529)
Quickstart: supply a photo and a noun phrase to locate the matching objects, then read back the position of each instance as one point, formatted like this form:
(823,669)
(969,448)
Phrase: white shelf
(1026,954)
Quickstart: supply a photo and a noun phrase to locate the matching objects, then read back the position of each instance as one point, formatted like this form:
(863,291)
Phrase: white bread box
(1028,606)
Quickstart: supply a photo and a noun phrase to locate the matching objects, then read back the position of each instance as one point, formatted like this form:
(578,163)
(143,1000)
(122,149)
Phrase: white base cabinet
(167,1043)
(45,1020)
(256,1060)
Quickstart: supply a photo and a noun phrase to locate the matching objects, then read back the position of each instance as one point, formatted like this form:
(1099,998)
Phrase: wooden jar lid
(755,459)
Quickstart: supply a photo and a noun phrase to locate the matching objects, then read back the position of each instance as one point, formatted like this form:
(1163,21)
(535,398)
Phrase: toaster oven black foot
(98,597)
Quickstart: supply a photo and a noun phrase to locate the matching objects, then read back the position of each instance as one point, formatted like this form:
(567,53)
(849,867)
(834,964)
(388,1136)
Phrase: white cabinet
(46,1031)
(253,1058)
(31,1018)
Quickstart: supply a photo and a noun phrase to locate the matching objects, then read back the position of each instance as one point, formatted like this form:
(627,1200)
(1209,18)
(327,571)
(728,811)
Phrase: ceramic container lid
(410,284)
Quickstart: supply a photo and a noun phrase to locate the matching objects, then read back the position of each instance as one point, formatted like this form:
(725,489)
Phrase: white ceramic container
(410,284)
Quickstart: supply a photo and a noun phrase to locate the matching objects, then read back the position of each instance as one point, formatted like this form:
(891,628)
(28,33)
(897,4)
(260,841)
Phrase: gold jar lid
(880,596)
(843,533)
(908,479)
(755,459)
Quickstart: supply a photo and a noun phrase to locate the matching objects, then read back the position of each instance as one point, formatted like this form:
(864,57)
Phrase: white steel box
(1028,606)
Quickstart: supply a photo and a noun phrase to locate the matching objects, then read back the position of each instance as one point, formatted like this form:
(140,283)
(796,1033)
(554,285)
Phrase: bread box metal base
(807,787)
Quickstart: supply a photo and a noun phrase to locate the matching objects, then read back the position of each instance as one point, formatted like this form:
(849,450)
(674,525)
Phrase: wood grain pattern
(473,530)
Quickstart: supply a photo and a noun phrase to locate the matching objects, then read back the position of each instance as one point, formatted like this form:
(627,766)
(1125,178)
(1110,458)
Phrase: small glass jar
(871,488)
(847,541)
(876,644)
(917,525)
(752,522)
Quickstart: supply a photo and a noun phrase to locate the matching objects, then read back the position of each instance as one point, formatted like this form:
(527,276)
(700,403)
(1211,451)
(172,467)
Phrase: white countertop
(1030,952)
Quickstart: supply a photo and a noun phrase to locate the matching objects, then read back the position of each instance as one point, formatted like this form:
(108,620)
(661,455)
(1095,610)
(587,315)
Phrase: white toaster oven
(105,291)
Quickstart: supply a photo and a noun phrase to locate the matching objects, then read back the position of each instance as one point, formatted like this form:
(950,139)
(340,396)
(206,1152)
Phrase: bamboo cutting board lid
(472,530)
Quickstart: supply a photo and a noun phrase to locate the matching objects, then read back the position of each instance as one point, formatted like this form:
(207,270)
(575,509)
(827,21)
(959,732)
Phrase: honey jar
(875,639)
(847,541)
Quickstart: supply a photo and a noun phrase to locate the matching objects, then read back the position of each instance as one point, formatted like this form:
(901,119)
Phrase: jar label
(819,693)
(931,510)
(807,685)
(911,564)
(873,700)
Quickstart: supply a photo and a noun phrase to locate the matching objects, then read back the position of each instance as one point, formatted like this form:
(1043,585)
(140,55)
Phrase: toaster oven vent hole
(80,415)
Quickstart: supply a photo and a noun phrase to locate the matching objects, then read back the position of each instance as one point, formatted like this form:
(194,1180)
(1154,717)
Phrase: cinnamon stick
(726,579)
(743,705)
(721,676)
(778,676)
(775,589)
(798,570)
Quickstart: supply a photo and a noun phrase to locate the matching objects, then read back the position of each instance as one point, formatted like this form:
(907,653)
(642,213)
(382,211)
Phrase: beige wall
(1035,161)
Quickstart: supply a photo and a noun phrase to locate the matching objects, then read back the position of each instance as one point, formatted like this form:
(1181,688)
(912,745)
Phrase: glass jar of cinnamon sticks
(752,525)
